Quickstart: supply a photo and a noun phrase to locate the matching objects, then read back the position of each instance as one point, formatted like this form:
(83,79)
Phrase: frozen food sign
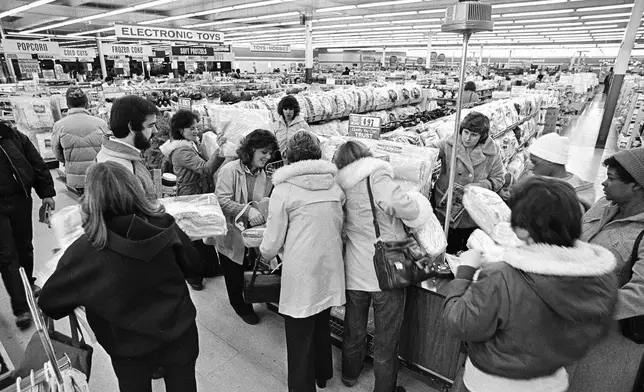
(127,50)
(167,34)
(30,47)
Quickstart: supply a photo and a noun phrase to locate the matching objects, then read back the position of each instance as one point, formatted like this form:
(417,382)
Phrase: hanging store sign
(31,47)
(223,57)
(185,103)
(365,127)
(126,50)
(26,56)
(271,48)
(28,67)
(85,53)
(221,48)
(168,34)
(192,51)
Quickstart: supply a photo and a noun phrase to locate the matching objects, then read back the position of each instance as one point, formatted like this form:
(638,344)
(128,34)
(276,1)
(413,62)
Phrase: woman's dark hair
(129,111)
(109,79)
(288,102)
(624,175)
(302,146)
(470,86)
(477,123)
(256,140)
(350,152)
(181,120)
(548,209)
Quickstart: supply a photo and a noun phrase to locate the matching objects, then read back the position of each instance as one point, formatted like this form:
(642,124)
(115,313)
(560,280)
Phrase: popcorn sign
(364,127)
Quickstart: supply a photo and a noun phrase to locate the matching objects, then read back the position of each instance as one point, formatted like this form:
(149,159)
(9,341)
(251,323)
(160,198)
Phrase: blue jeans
(389,310)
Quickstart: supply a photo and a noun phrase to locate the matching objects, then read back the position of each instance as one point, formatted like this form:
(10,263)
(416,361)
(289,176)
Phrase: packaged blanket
(235,123)
(431,237)
(199,216)
(482,242)
(485,207)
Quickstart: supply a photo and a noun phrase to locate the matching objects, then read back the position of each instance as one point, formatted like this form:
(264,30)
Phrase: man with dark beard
(132,122)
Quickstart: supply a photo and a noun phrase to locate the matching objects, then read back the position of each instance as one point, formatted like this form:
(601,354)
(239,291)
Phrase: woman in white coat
(289,121)
(305,219)
(395,208)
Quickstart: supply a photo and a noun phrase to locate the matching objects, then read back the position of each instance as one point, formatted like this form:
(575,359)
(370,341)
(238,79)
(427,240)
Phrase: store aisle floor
(234,357)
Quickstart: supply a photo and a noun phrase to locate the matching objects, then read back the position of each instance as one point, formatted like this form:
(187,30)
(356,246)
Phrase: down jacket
(394,209)
(305,219)
(21,168)
(540,310)
(76,139)
(482,167)
(115,150)
(194,173)
(284,132)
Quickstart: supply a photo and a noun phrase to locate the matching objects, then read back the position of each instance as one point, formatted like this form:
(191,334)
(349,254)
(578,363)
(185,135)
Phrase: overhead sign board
(31,47)
(365,127)
(271,48)
(192,51)
(126,50)
(28,67)
(223,57)
(221,48)
(167,34)
(85,53)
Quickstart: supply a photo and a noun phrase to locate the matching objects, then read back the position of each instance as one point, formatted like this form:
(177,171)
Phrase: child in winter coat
(543,307)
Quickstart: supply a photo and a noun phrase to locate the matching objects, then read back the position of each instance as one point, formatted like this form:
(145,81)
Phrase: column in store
(481,56)
(621,65)
(308,54)
(428,60)
(101,57)
(12,72)
(382,61)
(509,58)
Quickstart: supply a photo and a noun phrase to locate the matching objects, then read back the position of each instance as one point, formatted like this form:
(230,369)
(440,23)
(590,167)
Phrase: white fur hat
(552,148)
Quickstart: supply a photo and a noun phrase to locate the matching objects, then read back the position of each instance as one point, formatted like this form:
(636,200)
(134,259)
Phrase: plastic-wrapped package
(503,235)
(485,207)
(67,225)
(31,113)
(199,216)
(235,123)
(209,144)
(490,251)
(253,236)
(431,237)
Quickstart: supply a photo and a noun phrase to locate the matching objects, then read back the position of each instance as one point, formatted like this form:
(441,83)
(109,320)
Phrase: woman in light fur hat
(394,209)
(541,309)
(305,219)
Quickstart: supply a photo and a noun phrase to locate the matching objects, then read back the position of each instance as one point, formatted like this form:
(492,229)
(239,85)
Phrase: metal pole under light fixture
(465,17)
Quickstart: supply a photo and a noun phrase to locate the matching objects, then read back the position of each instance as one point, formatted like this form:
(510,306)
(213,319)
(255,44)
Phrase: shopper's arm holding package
(62,293)
(474,311)
(43,182)
(225,191)
(276,225)
(190,159)
(496,177)
(629,302)
(412,207)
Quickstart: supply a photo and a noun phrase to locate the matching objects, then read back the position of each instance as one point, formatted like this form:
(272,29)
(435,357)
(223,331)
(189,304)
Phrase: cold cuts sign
(192,51)
(270,48)
(78,53)
(31,47)
(167,34)
(127,50)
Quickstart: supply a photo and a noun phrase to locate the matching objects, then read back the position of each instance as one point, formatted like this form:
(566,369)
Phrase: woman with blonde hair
(363,177)
(128,271)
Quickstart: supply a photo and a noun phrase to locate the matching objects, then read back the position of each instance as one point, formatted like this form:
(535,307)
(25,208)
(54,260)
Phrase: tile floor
(236,357)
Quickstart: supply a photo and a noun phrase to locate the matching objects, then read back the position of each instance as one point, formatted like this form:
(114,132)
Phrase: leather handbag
(633,327)
(401,263)
(262,286)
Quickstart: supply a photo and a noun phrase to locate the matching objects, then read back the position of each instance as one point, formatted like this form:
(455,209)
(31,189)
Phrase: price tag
(185,103)
(518,90)
(330,81)
(365,127)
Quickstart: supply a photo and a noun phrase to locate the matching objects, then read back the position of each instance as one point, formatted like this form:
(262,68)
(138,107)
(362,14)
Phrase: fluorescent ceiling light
(537,13)
(91,32)
(341,8)
(387,3)
(405,21)
(605,7)
(442,11)
(103,15)
(527,3)
(337,19)
(25,7)
(220,22)
(42,21)
(386,15)
(598,22)
(503,22)
(606,16)
(523,21)
(168,19)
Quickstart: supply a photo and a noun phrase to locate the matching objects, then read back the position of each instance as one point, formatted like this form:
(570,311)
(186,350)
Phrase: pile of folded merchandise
(199,216)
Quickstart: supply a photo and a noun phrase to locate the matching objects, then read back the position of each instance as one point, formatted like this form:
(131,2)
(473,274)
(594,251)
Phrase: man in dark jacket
(21,169)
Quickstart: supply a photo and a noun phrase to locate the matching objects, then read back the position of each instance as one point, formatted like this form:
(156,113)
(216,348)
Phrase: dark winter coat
(21,168)
(134,290)
(540,310)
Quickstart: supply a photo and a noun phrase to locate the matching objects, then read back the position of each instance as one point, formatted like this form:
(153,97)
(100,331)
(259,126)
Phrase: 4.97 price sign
(365,127)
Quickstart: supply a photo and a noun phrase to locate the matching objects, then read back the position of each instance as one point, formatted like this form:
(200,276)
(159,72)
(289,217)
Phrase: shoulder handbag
(262,286)
(402,263)
(633,327)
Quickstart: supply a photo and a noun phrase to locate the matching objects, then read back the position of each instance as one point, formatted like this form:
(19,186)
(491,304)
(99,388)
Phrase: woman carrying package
(478,162)
(194,173)
(142,323)
(616,222)
(289,121)
(239,183)
(543,307)
(395,208)
(305,219)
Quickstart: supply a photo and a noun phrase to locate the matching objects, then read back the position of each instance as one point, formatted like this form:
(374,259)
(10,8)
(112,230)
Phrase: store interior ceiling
(548,26)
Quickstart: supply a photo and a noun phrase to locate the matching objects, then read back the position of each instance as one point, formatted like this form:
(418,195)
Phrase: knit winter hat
(632,160)
(552,148)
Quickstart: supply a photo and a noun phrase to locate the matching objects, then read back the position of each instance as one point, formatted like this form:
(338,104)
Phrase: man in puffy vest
(21,169)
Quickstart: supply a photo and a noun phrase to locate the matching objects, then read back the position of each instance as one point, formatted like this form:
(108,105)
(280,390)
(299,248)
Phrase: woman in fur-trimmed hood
(395,208)
(541,309)
(305,220)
